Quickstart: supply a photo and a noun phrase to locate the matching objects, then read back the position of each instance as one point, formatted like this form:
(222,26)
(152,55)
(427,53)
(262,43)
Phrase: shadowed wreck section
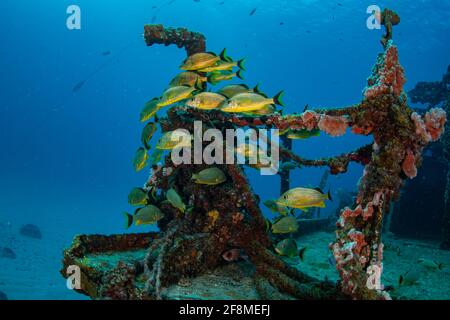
(192,243)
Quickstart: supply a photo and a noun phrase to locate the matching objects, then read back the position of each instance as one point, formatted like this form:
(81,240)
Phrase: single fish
(174,139)
(287,247)
(210,176)
(224,66)
(206,101)
(410,278)
(106,53)
(147,134)
(202,60)
(175,200)
(176,94)
(301,198)
(234,255)
(78,86)
(144,216)
(140,159)
(302,134)
(253,11)
(248,102)
(430,264)
(138,197)
(187,78)
(150,109)
(287,224)
(276,208)
(234,89)
(218,76)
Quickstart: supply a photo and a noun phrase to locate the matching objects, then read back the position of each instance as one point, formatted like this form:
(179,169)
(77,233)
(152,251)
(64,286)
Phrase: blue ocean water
(65,161)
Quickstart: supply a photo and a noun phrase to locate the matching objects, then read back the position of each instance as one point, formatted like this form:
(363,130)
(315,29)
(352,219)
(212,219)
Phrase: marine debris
(190,244)
(31,231)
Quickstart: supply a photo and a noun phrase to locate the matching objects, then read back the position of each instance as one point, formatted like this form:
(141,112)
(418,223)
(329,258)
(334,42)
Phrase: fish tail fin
(240,64)
(239,75)
(128,220)
(256,89)
(400,280)
(211,81)
(277,99)
(329,195)
(301,253)
(198,85)
(223,55)
(322,205)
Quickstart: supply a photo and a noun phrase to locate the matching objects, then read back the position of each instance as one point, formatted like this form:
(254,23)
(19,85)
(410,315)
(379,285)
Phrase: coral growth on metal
(399,134)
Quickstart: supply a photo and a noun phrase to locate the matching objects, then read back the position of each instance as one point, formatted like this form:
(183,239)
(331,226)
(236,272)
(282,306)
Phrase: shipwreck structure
(188,245)
(433,183)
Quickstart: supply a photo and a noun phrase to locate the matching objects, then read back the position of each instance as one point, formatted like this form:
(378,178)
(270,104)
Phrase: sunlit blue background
(65,158)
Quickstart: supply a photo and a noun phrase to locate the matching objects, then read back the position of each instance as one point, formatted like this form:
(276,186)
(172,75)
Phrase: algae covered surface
(108,260)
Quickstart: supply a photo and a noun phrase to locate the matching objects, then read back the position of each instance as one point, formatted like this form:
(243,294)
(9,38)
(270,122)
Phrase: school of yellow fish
(188,88)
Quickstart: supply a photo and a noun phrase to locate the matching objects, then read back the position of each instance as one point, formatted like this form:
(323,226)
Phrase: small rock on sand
(31,230)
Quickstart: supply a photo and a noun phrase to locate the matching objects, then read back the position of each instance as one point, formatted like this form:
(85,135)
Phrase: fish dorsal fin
(244,85)
(212,53)
(137,210)
(320,190)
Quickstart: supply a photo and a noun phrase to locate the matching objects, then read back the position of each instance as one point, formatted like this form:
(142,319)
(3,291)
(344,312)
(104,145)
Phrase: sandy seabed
(34,274)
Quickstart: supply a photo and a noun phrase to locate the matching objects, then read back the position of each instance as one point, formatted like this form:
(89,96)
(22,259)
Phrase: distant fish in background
(410,278)
(430,264)
(7,253)
(78,86)
(221,3)
(106,53)
(253,11)
(154,18)
(3,296)
(31,231)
